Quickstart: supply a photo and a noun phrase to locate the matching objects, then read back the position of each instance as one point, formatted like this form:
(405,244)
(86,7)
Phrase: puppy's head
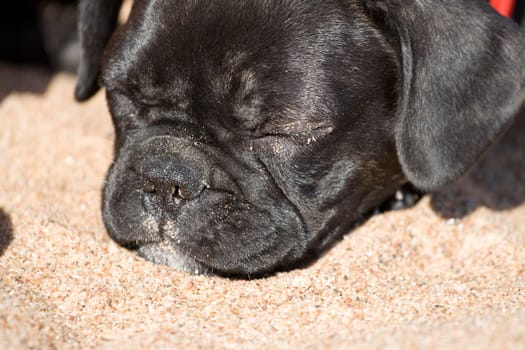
(252,133)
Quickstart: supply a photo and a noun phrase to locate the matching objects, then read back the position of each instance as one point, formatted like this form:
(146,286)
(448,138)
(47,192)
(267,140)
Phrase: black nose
(171,177)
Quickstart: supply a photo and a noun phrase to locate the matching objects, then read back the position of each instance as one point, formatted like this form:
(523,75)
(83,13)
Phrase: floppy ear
(96,22)
(462,75)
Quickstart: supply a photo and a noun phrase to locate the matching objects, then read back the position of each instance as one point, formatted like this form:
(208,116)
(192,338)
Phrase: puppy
(252,134)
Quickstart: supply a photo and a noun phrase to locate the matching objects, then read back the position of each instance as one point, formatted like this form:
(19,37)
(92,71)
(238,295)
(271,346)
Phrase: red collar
(504,7)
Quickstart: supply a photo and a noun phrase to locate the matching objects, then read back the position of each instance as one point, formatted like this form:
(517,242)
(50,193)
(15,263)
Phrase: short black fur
(251,135)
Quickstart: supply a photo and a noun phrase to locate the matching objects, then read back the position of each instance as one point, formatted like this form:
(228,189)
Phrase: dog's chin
(164,253)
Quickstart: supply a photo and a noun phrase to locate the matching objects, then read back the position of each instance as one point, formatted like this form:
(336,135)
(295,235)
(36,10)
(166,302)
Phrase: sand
(447,273)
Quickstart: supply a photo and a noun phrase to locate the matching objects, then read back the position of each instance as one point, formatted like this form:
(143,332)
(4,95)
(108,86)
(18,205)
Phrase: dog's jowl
(251,134)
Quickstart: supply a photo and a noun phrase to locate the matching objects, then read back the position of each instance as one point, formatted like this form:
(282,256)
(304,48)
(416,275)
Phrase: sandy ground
(448,273)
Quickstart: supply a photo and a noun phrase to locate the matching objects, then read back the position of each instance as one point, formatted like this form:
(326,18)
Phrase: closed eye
(304,137)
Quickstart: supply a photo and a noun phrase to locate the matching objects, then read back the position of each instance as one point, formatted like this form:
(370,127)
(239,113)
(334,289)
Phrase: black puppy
(252,133)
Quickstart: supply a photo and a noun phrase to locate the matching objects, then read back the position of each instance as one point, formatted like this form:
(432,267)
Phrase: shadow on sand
(6,232)
(496,182)
(24,79)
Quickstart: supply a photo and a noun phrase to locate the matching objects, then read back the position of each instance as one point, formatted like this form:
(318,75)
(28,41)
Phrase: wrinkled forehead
(177,34)
(169,39)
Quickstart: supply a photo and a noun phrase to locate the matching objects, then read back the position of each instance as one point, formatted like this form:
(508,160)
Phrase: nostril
(149,187)
(184,193)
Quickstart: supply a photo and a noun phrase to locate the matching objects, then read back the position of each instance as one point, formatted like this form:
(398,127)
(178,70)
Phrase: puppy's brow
(248,81)
(146,89)
(111,82)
